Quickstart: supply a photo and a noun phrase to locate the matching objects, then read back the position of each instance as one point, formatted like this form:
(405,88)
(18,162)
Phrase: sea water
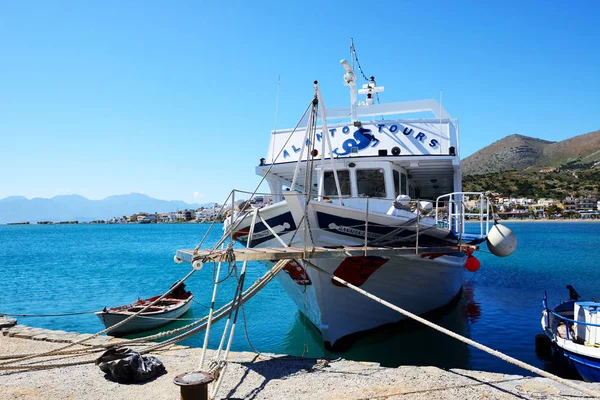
(55,269)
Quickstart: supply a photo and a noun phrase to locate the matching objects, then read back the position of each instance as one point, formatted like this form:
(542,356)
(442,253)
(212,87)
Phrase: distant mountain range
(524,153)
(522,166)
(78,208)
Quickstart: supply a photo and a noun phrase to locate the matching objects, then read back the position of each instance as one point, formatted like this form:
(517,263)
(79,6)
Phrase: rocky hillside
(582,149)
(554,185)
(523,153)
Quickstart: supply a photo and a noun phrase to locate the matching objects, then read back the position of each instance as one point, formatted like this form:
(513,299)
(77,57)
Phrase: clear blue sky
(176,98)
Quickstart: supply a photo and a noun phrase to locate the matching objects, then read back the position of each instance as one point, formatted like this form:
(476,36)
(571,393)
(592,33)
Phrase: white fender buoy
(177,260)
(197,265)
(501,241)
(403,200)
(425,206)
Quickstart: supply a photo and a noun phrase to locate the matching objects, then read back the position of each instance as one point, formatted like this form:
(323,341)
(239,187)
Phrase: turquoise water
(73,268)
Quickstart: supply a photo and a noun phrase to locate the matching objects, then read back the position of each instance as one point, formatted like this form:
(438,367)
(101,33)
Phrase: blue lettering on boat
(363,138)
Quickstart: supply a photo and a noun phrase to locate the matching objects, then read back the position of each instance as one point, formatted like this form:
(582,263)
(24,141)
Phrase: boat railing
(422,220)
(567,321)
(558,317)
(449,214)
(451,211)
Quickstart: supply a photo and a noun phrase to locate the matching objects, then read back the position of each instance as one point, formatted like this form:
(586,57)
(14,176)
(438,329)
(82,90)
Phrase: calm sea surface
(74,268)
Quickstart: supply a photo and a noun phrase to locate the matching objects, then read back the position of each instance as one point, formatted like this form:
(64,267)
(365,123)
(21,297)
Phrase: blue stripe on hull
(588,368)
(261,232)
(356,228)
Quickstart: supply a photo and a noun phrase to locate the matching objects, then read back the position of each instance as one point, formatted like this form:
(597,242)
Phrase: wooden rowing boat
(170,307)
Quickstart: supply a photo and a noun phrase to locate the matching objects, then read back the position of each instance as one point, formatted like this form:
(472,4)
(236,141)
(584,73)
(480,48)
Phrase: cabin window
(370,182)
(329,188)
(412,192)
(403,184)
(396,183)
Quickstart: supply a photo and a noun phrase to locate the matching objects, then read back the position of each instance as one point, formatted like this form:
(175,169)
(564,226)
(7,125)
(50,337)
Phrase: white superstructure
(365,176)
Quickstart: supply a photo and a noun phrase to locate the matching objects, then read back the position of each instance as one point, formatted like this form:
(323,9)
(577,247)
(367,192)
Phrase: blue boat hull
(588,368)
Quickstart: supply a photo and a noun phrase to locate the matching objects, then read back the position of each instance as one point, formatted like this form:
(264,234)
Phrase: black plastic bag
(128,366)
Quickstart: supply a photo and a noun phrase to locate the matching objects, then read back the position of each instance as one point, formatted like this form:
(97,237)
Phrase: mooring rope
(66,352)
(48,315)
(461,338)
(218,315)
(221,363)
(46,366)
(51,352)
(218,363)
(241,217)
(223,311)
(229,256)
(210,313)
(213,222)
(248,336)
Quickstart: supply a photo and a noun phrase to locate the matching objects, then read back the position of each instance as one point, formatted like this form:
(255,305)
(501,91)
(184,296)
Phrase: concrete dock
(250,376)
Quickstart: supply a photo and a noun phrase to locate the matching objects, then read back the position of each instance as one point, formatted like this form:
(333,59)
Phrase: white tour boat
(356,177)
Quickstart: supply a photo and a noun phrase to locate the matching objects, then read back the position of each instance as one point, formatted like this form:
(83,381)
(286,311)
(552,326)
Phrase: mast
(350,81)
(325,139)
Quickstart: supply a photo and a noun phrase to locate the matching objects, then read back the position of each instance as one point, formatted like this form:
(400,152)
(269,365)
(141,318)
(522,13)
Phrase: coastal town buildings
(570,204)
(588,203)
(571,207)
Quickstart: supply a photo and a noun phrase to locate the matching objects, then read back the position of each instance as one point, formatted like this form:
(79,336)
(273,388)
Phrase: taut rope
(461,338)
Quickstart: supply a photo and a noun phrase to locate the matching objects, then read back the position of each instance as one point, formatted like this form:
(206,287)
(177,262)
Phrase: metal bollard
(194,385)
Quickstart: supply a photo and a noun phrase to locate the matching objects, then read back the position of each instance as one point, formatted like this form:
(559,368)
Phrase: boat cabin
(372,158)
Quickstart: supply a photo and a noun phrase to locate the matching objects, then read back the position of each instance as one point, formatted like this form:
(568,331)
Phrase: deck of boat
(283,253)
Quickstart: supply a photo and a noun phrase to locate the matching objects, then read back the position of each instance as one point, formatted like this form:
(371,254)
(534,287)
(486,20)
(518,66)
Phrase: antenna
(441,97)
(352,51)
(276,111)
(350,81)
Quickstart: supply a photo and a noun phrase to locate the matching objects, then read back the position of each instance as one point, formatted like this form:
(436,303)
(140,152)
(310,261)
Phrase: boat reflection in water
(472,308)
(403,343)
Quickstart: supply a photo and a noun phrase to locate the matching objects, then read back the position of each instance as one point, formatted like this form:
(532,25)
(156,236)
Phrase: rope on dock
(218,315)
(52,352)
(461,338)
(50,315)
(222,312)
(230,257)
(45,366)
(65,352)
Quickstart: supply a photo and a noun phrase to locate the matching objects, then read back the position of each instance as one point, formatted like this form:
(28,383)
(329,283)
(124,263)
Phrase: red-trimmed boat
(370,175)
(170,307)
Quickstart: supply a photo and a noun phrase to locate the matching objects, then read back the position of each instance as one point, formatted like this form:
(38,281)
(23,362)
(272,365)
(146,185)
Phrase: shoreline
(265,376)
(587,220)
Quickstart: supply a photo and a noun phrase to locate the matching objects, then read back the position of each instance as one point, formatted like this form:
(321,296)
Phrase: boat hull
(414,283)
(587,367)
(144,322)
(584,359)
(418,283)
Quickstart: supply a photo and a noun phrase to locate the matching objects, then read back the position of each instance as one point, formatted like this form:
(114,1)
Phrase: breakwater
(266,376)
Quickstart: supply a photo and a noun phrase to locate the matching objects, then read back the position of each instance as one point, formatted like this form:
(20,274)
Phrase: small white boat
(172,306)
(573,328)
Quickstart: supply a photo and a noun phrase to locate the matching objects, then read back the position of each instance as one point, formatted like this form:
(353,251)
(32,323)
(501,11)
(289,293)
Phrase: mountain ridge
(525,153)
(75,207)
